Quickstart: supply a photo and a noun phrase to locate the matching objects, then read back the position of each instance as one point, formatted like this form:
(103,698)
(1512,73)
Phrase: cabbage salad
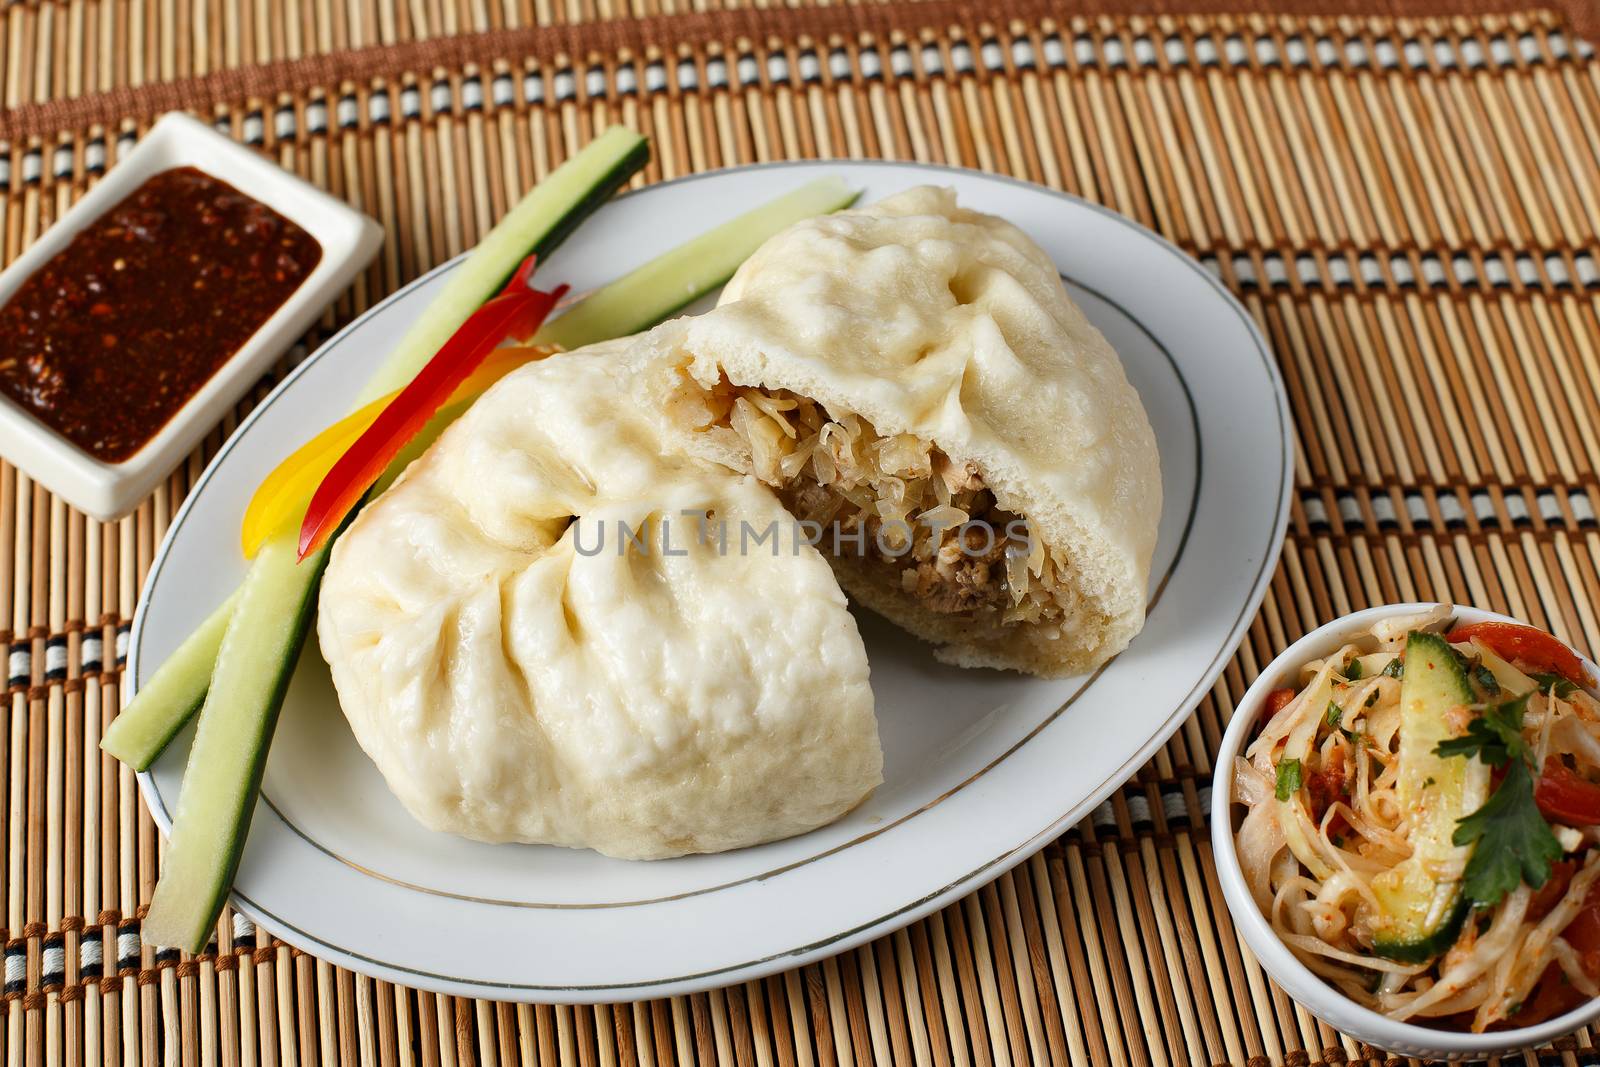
(1422,815)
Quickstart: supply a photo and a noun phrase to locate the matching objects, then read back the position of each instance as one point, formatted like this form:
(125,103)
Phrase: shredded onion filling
(896,501)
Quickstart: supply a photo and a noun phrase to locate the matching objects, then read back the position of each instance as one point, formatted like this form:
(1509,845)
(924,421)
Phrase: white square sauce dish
(136,321)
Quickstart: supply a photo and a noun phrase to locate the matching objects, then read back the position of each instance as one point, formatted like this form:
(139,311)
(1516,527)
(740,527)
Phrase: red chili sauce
(111,337)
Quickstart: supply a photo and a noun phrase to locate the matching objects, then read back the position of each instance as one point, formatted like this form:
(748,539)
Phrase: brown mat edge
(639,34)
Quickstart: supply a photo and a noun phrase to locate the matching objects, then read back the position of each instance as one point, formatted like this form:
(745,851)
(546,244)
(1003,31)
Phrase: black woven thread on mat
(547,43)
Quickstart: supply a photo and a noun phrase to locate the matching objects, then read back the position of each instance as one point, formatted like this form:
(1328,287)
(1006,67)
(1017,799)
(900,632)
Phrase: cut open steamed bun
(913,378)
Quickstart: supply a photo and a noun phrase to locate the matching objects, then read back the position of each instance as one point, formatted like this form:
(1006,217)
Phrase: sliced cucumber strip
(171,696)
(539,222)
(676,279)
(1421,912)
(223,775)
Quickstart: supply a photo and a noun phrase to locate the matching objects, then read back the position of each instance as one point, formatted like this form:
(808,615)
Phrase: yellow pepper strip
(297,477)
(280,501)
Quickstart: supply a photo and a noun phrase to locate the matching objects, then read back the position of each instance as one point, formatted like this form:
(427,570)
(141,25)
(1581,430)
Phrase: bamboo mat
(1407,203)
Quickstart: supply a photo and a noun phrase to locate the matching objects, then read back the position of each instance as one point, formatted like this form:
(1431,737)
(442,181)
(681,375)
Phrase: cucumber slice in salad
(262,640)
(1422,909)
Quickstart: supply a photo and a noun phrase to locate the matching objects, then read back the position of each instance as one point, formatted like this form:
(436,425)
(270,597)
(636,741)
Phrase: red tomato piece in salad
(1547,896)
(1524,647)
(1277,700)
(1563,795)
(1327,784)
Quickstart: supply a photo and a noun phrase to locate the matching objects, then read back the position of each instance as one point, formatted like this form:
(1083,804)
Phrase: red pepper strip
(521,276)
(1565,797)
(1524,646)
(517,311)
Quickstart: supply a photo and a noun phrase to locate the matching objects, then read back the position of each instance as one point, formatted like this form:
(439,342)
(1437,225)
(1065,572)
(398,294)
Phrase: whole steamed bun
(513,688)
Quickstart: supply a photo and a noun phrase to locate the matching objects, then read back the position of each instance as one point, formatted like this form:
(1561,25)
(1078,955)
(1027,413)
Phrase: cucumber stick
(1421,907)
(253,668)
(539,222)
(171,697)
(676,279)
(262,639)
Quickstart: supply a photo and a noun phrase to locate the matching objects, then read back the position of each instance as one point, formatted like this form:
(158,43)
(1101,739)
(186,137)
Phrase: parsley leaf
(1395,668)
(1554,683)
(1487,681)
(1332,716)
(1353,670)
(1495,737)
(1288,779)
(1514,843)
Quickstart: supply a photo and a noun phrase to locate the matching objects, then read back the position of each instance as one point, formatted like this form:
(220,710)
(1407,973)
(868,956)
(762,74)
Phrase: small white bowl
(1316,995)
(348,238)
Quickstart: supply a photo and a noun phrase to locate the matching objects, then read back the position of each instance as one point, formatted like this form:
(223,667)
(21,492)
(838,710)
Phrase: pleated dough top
(520,670)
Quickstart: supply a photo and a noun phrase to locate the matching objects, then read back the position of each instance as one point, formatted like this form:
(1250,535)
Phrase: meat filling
(896,502)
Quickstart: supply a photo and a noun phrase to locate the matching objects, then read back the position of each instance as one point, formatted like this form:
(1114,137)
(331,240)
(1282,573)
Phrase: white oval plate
(982,768)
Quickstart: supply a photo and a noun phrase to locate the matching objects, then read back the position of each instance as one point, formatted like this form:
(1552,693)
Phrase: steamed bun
(917,362)
(512,683)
